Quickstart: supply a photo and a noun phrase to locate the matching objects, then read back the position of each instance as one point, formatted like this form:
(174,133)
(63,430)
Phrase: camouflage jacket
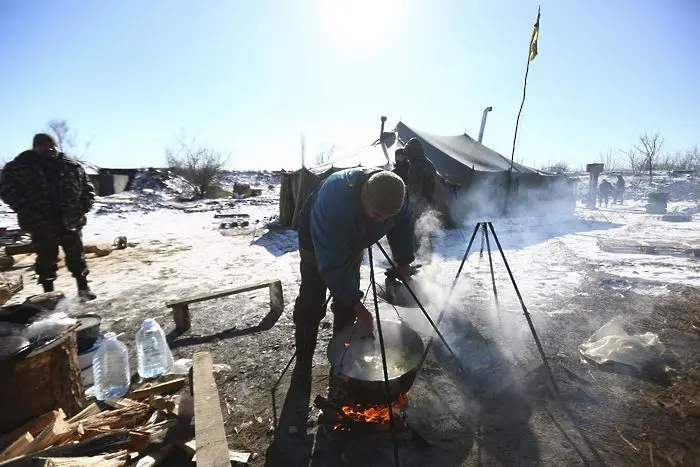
(47,193)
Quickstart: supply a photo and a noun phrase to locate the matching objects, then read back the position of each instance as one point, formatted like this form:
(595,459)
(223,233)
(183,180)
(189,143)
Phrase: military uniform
(51,196)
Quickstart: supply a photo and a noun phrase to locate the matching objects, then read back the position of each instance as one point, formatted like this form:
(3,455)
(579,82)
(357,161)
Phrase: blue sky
(248,77)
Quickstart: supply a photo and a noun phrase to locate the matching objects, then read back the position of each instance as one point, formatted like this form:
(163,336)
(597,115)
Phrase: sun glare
(358,24)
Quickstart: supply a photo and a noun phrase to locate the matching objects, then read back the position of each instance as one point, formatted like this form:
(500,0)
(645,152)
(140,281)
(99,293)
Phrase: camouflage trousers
(309,307)
(47,244)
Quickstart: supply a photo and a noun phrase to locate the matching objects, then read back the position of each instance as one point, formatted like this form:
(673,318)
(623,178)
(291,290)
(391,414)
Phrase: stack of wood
(125,431)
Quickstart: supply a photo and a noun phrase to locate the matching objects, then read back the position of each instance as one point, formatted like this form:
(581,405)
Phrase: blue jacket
(334,226)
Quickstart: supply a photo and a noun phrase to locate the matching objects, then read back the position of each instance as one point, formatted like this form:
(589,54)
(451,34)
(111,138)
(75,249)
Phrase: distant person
(401,165)
(51,195)
(351,210)
(605,191)
(619,190)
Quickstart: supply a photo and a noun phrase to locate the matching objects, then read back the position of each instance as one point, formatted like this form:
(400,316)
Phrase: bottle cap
(110,336)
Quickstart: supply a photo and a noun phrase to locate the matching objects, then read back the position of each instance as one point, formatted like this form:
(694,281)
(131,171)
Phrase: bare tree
(559,168)
(324,156)
(67,138)
(633,158)
(609,160)
(197,164)
(649,148)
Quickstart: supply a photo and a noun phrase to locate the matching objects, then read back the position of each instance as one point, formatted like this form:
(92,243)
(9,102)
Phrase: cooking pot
(357,360)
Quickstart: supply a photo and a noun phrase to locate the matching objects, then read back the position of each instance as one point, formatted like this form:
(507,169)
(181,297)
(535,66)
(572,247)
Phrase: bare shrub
(197,164)
(560,167)
(67,138)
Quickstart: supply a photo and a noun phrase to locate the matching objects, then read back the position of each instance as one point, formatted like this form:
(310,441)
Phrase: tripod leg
(384,365)
(555,388)
(449,294)
(425,313)
(493,276)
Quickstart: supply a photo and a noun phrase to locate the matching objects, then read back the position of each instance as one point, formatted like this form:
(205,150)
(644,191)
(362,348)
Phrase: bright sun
(358,24)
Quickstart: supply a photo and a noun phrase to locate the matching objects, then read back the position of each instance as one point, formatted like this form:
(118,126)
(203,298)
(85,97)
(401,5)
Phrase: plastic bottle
(110,368)
(153,354)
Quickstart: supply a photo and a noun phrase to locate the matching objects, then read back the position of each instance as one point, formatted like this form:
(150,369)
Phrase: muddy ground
(488,415)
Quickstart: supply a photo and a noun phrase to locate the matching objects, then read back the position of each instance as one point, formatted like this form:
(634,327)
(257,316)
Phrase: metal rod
(493,276)
(449,294)
(274,388)
(555,388)
(384,365)
(420,305)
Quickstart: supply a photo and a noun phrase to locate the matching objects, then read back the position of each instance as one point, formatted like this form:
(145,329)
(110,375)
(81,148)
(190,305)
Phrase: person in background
(401,165)
(619,190)
(51,194)
(605,191)
(351,210)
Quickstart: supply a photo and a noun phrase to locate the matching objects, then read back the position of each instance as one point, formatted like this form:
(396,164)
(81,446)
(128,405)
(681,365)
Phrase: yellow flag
(535,36)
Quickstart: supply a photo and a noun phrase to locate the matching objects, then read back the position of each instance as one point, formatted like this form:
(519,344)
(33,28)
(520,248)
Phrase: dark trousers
(46,245)
(309,307)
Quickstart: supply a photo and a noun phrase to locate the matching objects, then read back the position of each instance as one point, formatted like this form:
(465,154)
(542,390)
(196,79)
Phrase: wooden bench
(181,312)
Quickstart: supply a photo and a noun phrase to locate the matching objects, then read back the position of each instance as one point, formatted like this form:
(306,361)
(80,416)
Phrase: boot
(47,285)
(84,291)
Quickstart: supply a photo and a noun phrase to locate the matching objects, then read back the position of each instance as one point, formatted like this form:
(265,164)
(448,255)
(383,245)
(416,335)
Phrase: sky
(248,78)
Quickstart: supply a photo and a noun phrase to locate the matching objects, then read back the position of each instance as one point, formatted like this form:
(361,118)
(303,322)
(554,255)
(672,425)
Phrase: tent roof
(450,154)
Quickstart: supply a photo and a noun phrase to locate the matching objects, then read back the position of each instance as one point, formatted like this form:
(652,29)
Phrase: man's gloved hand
(404,271)
(365,319)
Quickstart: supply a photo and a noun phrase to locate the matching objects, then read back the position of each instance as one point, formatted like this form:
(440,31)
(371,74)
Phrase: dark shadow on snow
(278,242)
(266,323)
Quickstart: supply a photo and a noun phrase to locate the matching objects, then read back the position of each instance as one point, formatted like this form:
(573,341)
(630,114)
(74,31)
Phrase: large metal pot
(357,360)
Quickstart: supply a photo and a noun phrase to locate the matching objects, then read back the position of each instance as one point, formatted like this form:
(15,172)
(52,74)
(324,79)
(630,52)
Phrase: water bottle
(152,350)
(110,368)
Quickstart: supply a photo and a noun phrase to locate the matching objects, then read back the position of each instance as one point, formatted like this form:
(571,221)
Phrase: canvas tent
(472,179)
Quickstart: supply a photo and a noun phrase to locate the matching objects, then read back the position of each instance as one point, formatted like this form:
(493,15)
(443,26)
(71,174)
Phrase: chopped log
(52,435)
(89,411)
(96,461)
(119,402)
(47,300)
(33,427)
(17,448)
(168,386)
(210,434)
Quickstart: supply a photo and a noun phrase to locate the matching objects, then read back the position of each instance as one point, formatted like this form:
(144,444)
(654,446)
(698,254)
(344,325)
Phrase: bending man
(351,210)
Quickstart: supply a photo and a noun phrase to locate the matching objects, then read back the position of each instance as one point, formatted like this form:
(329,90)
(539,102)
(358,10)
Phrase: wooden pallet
(656,248)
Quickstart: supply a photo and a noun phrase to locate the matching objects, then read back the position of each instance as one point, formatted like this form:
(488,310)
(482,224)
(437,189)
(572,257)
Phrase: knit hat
(414,149)
(384,192)
(42,138)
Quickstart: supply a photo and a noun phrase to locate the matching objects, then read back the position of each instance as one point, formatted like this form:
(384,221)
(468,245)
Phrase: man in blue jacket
(351,210)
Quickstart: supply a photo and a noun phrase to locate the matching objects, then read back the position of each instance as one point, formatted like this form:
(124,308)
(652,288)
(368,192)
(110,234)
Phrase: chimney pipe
(483,123)
(381,131)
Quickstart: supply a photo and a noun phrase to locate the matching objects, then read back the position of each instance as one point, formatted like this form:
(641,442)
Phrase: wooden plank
(210,435)
(168,386)
(219,294)
(276,297)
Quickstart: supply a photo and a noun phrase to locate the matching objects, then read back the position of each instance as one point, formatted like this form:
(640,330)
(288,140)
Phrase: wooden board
(210,435)
(220,294)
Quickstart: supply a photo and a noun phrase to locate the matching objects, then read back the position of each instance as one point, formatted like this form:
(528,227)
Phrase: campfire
(372,413)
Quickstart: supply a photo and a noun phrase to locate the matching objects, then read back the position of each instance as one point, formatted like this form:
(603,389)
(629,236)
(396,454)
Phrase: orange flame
(360,413)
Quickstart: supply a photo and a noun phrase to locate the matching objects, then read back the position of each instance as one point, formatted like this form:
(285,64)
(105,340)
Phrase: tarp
(455,157)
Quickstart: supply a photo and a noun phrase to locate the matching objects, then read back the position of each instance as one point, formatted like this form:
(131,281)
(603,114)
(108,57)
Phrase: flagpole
(532,53)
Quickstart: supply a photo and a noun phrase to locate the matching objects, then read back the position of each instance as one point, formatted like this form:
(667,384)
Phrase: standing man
(401,165)
(619,189)
(351,210)
(421,191)
(51,195)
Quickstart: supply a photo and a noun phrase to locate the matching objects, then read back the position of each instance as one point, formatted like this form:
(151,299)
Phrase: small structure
(594,170)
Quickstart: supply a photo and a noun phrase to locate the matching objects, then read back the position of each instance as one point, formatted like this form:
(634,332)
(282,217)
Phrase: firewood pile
(118,432)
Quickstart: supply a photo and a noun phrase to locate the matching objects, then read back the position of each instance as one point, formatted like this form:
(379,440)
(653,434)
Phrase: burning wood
(373,413)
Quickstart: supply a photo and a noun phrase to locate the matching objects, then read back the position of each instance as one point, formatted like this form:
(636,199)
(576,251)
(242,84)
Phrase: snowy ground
(559,268)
